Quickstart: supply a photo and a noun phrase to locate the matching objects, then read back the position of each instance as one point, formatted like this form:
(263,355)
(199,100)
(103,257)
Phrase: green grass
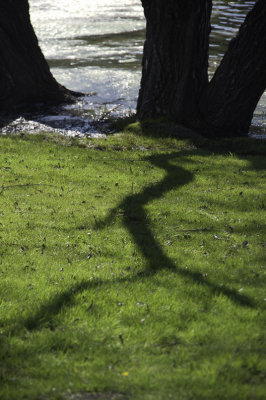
(133,264)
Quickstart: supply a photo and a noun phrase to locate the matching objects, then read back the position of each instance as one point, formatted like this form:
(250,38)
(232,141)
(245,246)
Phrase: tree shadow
(137,223)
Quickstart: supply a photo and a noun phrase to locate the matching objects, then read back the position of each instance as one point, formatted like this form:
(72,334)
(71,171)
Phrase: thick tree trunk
(229,102)
(25,77)
(174,77)
(175,60)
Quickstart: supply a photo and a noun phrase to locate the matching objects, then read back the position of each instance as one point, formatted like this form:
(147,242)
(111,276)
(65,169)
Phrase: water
(95,46)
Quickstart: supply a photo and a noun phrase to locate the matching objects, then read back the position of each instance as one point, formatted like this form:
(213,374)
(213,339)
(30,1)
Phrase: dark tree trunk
(175,64)
(231,97)
(175,60)
(25,77)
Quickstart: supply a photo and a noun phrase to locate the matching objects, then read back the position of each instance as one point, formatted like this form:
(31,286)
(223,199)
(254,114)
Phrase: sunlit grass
(132,265)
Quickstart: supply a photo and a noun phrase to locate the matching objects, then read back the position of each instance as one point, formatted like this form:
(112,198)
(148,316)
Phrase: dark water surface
(95,46)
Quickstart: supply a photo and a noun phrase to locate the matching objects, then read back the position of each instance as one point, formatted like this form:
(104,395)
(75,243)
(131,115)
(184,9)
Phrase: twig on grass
(196,230)
(25,185)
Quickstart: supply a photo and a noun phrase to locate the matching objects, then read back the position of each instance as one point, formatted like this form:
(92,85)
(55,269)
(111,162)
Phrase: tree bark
(175,65)
(25,77)
(230,99)
(175,61)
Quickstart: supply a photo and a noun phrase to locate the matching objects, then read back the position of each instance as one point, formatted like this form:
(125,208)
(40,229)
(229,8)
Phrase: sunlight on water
(95,46)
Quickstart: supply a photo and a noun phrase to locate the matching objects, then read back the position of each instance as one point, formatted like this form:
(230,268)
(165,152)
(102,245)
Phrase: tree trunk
(175,64)
(175,61)
(25,77)
(230,99)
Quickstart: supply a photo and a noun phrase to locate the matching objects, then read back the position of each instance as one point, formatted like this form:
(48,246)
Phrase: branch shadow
(137,222)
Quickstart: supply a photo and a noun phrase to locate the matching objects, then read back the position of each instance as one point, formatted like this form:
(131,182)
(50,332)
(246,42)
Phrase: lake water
(95,46)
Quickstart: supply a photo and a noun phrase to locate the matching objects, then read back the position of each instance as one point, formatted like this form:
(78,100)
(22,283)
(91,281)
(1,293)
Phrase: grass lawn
(133,267)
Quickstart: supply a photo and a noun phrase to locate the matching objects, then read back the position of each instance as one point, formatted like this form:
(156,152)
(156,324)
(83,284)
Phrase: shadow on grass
(136,221)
